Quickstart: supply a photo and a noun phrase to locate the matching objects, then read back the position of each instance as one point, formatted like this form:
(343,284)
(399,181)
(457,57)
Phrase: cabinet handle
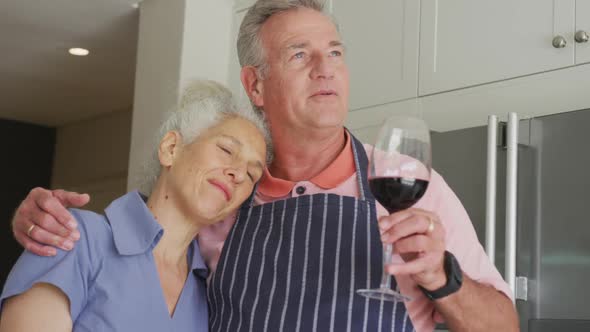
(559,42)
(581,36)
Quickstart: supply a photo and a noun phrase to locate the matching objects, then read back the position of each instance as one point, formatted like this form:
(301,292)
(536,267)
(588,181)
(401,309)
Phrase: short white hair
(203,105)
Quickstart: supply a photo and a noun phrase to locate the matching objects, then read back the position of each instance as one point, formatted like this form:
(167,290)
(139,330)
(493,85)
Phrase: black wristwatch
(454,279)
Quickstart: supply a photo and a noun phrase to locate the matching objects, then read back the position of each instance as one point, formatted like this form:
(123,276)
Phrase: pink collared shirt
(461,238)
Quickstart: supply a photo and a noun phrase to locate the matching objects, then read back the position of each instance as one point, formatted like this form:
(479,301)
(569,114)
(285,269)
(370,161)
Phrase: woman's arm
(44,307)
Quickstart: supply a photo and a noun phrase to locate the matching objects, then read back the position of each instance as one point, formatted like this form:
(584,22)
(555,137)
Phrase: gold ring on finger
(30,229)
(430,228)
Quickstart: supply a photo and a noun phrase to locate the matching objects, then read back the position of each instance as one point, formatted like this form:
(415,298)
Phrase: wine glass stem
(385,279)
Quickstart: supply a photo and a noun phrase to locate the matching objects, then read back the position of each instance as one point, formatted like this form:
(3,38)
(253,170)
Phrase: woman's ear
(252,84)
(169,148)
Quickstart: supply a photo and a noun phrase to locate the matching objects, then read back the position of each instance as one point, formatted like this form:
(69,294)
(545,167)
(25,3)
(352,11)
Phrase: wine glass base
(383,294)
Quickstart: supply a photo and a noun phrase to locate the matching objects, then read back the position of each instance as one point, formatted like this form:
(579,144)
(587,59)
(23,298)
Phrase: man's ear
(253,85)
(169,148)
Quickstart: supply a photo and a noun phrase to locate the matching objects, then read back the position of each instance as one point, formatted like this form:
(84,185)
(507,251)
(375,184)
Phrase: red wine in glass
(397,193)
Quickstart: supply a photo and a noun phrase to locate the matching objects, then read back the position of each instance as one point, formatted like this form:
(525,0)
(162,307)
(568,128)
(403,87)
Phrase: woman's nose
(237,174)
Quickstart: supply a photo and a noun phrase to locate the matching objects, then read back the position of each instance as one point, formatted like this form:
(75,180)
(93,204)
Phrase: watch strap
(454,279)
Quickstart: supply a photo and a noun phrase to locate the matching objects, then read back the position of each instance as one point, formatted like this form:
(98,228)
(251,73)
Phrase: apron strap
(361,162)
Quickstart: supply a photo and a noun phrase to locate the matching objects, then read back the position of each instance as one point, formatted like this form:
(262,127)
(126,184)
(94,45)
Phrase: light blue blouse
(110,276)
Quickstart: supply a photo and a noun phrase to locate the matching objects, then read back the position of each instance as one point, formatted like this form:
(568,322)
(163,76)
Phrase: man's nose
(322,68)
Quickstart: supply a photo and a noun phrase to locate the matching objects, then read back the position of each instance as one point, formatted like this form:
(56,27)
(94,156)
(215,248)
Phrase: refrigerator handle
(491,188)
(511,187)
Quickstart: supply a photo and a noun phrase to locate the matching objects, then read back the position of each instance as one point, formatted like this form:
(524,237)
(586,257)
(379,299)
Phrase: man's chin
(328,123)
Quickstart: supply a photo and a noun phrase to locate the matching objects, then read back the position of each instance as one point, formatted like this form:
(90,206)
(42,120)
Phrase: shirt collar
(337,172)
(135,230)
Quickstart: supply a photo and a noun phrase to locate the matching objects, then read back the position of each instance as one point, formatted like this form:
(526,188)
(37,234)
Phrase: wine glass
(399,172)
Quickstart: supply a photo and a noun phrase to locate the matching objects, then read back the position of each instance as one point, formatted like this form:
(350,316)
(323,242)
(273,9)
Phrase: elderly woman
(138,266)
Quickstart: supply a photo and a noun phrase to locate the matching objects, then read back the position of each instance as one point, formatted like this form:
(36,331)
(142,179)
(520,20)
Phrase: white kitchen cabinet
(470,42)
(536,95)
(365,123)
(583,25)
(381,39)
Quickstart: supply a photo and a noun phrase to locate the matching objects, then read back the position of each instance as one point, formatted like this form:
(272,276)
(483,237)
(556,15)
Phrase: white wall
(157,73)
(179,40)
(206,45)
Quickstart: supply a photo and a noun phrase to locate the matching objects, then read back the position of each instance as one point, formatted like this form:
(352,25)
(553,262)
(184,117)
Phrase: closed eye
(226,150)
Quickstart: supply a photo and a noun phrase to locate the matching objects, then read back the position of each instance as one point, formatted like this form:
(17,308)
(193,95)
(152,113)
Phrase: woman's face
(212,176)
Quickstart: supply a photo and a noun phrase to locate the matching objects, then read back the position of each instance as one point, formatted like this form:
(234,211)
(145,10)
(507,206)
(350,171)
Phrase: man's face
(306,85)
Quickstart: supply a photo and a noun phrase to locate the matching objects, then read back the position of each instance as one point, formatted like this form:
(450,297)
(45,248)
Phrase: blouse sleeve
(70,271)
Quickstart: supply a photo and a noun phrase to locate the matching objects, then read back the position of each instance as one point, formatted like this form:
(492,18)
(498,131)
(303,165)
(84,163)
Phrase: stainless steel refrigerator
(532,178)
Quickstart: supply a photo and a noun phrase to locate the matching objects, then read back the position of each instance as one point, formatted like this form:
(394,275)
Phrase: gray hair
(203,105)
(250,50)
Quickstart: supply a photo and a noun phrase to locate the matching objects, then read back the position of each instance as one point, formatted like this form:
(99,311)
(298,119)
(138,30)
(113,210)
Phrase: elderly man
(296,251)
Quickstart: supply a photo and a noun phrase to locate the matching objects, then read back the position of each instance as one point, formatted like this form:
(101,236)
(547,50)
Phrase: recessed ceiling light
(78,51)
(135,5)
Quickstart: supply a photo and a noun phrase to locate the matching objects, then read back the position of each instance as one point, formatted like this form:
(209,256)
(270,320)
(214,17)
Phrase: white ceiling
(41,83)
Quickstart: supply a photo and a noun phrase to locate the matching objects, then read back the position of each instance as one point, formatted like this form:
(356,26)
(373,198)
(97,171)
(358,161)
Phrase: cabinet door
(531,96)
(583,24)
(470,42)
(381,39)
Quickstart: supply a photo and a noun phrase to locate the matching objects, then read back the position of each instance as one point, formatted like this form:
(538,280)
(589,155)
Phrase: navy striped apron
(295,264)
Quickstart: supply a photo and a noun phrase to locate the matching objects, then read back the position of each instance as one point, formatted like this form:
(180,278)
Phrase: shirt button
(300,190)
